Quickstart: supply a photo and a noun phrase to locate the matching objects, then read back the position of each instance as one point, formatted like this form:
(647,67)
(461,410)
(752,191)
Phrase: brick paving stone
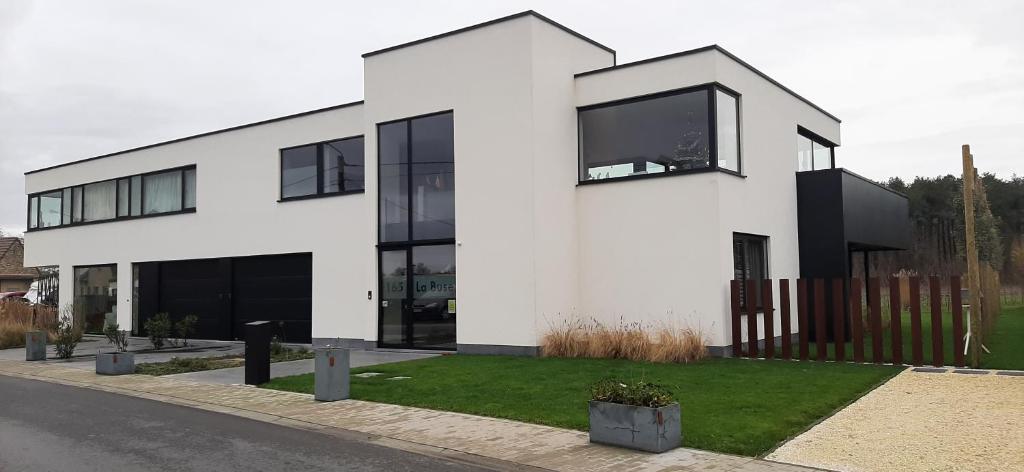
(512,441)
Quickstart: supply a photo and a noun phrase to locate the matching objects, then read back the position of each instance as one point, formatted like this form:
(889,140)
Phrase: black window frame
(117,199)
(745,237)
(817,138)
(710,88)
(320,193)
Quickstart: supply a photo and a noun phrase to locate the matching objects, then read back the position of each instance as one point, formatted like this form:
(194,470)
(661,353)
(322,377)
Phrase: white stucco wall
(237,214)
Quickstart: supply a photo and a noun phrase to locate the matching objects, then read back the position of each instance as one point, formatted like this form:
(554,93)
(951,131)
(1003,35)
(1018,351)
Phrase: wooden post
(973,277)
(856,320)
(820,331)
(737,340)
(838,320)
(751,302)
(768,308)
(801,313)
(787,331)
(895,320)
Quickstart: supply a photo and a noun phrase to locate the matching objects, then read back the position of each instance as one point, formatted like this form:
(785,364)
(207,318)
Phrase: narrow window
(33,212)
(76,215)
(727,131)
(190,188)
(136,195)
(66,207)
(298,171)
(342,165)
(750,262)
(161,192)
(123,196)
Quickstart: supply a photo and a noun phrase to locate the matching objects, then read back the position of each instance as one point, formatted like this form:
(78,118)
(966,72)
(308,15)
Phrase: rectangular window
(813,152)
(33,212)
(123,196)
(99,202)
(727,130)
(76,215)
(343,165)
(321,169)
(50,209)
(95,292)
(393,172)
(66,208)
(680,131)
(190,188)
(136,198)
(750,262)
(161,193)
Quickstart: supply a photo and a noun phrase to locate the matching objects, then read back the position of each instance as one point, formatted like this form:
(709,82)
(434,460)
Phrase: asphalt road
(51,427)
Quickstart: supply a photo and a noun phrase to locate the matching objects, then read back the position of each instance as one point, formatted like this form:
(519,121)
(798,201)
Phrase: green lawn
(729,405)
(1007,336)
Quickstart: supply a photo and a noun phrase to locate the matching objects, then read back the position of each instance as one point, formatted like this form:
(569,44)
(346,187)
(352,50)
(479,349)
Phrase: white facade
(532,246)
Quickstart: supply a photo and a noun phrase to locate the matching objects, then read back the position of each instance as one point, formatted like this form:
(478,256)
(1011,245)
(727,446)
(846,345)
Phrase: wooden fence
(896,343)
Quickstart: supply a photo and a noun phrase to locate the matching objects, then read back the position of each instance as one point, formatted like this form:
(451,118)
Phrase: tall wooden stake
(973,275)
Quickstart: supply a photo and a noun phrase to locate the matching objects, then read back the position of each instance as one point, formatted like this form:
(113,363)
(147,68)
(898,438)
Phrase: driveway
(922,421)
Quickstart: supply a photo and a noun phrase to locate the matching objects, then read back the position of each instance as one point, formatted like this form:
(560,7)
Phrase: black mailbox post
(257,352)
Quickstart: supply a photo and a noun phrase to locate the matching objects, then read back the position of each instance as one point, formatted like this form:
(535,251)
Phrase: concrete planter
(115,363)
(635,427)
(330,380)
(35,346)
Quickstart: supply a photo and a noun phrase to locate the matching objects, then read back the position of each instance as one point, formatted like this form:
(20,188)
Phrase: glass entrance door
(417,303)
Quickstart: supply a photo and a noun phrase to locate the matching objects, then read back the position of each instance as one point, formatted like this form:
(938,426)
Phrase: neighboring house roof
(12,260)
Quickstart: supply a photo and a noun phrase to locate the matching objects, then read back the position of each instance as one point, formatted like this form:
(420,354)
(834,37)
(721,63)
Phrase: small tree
(67,333)
(158,328)
(186,327)
(116,337)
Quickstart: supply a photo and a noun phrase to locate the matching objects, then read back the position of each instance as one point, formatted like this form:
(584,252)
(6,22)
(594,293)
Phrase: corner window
(156,193)
(750,262)
(321,169)
(813,152)
(681,131)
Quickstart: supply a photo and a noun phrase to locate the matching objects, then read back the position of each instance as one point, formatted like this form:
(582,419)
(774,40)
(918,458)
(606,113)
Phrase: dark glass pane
(298,171)
(190,188)
(136,195)
(49,209)
(393,146)
(804,157)
(433,177)
(394,292)
(728,131)
(662,134)
(66,210)
(33,212)
(76,215)
(123,196)
(100,201)
(343,165)
(433,317)
(95,296)
(161,192)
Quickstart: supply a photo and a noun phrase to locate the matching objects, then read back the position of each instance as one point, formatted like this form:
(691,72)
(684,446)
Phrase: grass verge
(181,365)
(735,406)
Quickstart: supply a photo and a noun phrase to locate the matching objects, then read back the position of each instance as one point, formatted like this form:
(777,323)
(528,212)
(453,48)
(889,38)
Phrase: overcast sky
(912,81)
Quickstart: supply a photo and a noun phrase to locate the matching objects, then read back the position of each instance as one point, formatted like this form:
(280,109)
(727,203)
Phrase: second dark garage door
(226,293)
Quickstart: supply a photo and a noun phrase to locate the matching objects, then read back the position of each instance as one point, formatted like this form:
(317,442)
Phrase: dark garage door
(226,293)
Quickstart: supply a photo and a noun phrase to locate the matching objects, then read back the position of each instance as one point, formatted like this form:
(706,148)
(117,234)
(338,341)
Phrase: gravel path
(921,421)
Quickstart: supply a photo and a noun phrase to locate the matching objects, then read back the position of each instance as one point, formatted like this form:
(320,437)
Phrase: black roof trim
(727,54)
(489,23)
(201,135)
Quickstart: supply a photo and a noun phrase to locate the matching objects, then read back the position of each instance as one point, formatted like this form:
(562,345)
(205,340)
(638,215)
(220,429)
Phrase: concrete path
(85,352)
(111,432)
(236,375)
(922,421)
(472,438)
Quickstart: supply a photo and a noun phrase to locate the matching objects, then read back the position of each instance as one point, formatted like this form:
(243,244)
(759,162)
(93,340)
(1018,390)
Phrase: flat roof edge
(489,23)
(200,135)
(713,47)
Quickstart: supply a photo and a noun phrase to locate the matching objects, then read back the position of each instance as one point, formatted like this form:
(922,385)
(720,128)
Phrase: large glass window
(727,131)
(161,193)
(100,201)
(750,262)
(96,296)
(137,195)
(417,179)
(812,152)
(50,209)
(331,167)
(666,133)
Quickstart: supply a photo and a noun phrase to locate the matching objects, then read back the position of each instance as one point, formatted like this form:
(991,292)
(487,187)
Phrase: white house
(559,183)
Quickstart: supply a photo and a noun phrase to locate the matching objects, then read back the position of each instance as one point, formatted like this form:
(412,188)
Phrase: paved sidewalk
(500,443)
(236,375)
(922,421)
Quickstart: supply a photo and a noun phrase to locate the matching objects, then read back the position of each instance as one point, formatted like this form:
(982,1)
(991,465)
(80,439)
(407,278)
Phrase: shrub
(68,334)
(636,394)
(632,341)
(158,328)
(186,327)
(17,318)
(116,336)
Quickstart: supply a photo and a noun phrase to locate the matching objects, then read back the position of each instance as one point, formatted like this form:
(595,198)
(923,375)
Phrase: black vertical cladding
(839,212)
